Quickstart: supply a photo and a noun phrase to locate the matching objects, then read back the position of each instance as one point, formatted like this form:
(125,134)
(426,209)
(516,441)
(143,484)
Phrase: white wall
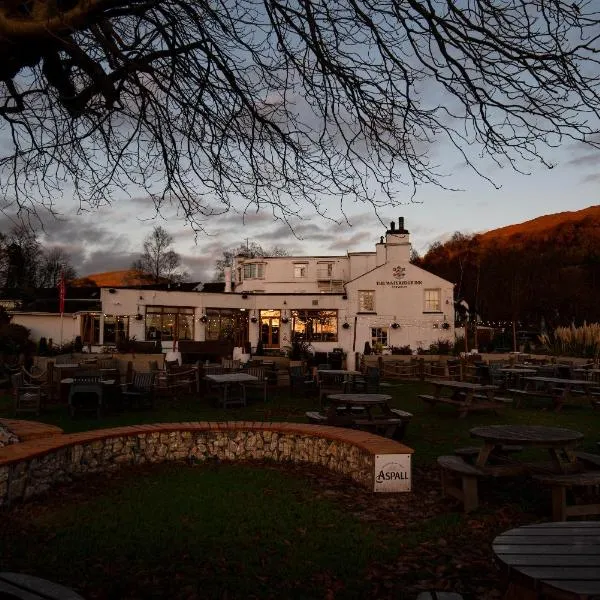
(49,326)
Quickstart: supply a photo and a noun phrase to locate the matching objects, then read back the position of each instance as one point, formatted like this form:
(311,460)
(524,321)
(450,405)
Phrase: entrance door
(270,327)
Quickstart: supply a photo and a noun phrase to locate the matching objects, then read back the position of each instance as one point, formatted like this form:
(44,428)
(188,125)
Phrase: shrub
(581,341)
(403,350)
(14,339)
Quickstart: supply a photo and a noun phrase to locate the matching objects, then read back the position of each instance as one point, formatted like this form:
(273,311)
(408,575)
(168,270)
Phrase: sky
(111,238)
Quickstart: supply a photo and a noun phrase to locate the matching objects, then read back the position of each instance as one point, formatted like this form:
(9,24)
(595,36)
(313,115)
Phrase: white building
(329,301)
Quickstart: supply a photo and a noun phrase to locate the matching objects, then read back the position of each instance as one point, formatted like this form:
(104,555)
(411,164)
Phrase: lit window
(169,323)
(315,325)
(300,271)
(433,301)
(254,271)
(366,301)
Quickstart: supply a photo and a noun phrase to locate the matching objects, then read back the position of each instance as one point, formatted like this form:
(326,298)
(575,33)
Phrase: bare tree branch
(283,104)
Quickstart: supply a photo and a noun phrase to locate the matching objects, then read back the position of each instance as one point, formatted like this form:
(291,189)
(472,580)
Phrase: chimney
(392,226)
(400,223)
(227,271)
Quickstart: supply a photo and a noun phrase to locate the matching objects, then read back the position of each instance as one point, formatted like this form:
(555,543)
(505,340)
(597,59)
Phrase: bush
(14,340)
(403,350)
(441,347)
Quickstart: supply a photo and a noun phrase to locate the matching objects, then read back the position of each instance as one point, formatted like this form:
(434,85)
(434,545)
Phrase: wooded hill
(548,267)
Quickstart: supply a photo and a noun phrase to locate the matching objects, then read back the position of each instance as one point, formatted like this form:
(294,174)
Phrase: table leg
(484,454)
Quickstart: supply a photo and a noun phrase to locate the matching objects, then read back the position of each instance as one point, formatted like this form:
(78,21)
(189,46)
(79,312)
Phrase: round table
(555,560)
(530,435)
(557,440)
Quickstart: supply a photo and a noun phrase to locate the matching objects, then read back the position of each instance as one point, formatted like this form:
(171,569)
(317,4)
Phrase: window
(226,324)
(116,329)
(366,301)
(315,325)
(300,270)
(379,337)
(254,270)
(170,322)
(324,270)
(433,301)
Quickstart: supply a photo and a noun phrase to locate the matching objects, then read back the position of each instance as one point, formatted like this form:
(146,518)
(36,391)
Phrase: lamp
(346,325)
(244,296)
(395,325)
(203,319)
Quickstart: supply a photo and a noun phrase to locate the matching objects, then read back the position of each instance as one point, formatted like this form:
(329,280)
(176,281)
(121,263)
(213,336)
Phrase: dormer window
(254,271)
(300,270)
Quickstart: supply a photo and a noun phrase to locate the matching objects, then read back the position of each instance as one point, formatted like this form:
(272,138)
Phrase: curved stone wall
(32,468)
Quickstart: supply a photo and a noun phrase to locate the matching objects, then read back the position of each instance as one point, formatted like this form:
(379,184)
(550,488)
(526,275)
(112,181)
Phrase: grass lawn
(259,531)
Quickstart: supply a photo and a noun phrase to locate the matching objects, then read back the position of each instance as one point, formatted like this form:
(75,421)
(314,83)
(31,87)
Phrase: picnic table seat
(316,417)
(459,480)
(405,418)
(434,595)
(470,453)
(560,483)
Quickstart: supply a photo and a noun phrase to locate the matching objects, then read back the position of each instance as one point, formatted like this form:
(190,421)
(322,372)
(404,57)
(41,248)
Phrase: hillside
(543,227)
(111,278)
(548,267)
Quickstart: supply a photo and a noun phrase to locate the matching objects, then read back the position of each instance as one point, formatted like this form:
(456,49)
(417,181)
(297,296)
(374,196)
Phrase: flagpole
(61,303)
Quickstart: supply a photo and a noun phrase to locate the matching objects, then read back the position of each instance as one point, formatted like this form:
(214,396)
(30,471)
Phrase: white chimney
(227,279)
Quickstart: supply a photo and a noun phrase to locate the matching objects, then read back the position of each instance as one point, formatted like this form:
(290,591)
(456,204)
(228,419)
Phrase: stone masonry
(32,468)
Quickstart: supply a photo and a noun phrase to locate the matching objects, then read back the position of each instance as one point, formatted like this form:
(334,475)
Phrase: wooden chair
(266,382)
(140,392)
(27,398)
(301,381)
(230,365)
(42,379)
(86,394)
(369,383)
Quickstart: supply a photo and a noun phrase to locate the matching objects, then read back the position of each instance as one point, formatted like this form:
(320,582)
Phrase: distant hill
(546,227)
(111,278)
(548,267)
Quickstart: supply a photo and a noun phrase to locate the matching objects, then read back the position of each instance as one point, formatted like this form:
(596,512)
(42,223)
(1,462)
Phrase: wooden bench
(433,595)
(316,417)
(560,483)
(27,587)
(405,417)
(443,399)
(459,480)
(470,453)
(387,427)
(519,394)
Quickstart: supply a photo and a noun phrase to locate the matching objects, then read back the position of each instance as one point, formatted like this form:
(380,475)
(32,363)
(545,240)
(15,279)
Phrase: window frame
(314,332)
(380,335)
(361,304)
(304,270)
(438,307)
(184,328)
(257,267)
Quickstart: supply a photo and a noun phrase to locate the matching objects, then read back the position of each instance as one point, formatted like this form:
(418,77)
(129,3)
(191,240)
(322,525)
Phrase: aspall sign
(392,473)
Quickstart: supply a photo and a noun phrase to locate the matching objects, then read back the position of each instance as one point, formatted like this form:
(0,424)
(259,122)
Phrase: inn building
(327,301)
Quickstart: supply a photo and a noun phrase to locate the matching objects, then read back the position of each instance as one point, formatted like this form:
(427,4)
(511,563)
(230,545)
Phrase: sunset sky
(111,238)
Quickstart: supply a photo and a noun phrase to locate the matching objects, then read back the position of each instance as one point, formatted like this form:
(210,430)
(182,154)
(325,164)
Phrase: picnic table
(557,440)
(551,560)
(223,382)
(559,390)
(465,395)
(364,411)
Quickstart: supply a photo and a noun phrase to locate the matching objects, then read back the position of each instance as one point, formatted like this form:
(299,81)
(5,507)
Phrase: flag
(61,293)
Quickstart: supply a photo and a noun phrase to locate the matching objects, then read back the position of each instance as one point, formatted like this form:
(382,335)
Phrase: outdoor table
(551,560)
(375,412)
(347,376)
(224,382)
(558,441)
(466,396)
(561,390)
(514,375)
